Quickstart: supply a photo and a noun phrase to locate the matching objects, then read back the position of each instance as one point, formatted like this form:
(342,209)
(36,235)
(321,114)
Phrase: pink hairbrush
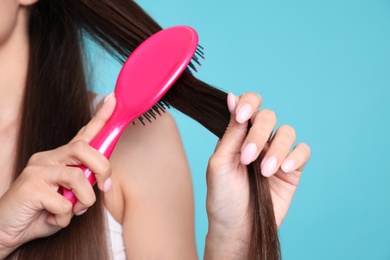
(145,77)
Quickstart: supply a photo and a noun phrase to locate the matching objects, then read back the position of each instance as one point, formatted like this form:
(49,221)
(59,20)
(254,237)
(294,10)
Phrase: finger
(230,143)
(234,132)
(95,161)
(279,148)
(81,153)
(59,220)
(247,105)
(263,124)
(73,178)
(232,101)
(88,132)
(60,210)
(297,159)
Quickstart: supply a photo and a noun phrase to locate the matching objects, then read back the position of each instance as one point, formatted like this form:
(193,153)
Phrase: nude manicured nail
(231,102)
(81,212)
(108,97)
(248,154)
(243,113)
(288,165)
(269,166)
(107,185)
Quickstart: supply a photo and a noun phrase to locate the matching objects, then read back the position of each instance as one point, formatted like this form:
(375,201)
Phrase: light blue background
(324,67)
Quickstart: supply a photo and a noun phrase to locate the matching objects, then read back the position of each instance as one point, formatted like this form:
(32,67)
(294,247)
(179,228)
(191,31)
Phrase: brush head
(145,77)
(152,69)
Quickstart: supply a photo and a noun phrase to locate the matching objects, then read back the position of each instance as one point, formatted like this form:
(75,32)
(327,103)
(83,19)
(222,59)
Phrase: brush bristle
(159,108)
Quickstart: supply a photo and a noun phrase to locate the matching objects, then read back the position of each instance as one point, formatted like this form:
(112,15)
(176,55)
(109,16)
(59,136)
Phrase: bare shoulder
(151,146)
(142,154)
(152,181)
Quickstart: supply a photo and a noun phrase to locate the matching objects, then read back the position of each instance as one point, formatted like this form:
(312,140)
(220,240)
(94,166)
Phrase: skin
(152,201)
(13,41)
(227,182)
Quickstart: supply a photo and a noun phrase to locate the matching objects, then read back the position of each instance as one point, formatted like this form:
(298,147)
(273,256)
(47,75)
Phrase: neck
(14,54)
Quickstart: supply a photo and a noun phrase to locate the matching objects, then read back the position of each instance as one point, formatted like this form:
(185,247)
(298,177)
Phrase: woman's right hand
(33,208)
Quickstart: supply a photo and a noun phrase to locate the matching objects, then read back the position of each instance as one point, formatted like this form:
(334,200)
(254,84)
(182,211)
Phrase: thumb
(230,144)
(89,131)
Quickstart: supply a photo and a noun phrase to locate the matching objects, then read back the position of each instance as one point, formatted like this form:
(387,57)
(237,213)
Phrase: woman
(145,188)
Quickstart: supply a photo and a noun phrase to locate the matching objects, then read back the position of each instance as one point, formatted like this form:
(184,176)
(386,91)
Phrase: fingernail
(231,102)
(108,97)
(243,113)
(248,154)
(288,165)
(81,212)
(269,166)
(107,185)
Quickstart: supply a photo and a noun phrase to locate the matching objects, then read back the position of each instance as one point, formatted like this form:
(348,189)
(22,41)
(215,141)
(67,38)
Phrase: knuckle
(88,197)
(257,96)
(35,158)
(78,146)
(261,133)
(288,131)
(67,207)
(283,145)
(269,114)
(253,95)
(213,162)
(90,200)
(106,168)
(64,221)
(305,149)
(244,94)
(75,174)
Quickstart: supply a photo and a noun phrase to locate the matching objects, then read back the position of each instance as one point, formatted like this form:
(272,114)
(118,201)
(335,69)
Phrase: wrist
(5,246)
(5,251)
(226,245)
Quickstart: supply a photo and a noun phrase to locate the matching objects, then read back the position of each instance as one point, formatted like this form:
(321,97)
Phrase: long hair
(56,106)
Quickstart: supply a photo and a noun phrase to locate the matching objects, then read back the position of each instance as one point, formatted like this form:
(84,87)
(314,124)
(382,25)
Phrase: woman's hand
(32,206)
(228,187)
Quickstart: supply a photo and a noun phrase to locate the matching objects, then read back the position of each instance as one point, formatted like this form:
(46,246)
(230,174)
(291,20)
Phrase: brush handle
(104,142)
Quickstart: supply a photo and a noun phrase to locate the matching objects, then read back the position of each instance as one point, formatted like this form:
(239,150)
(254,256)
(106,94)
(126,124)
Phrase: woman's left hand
(227,180)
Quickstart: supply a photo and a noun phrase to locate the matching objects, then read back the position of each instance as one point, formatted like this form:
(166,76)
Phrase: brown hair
(56,106)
